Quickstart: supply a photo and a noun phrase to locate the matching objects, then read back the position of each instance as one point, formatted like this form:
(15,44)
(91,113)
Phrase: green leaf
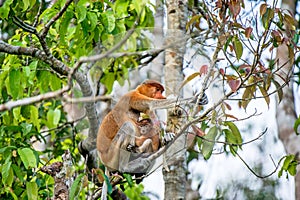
(108,21)
(293,168)
(18,172)
(278,89)
(230,138)
(235,131)
(228,41)
(14,83)
(238,47)
(120,8)
(32,190)
(53,117)
(32,3)
(28,158)
(5,8)
(139,5)
(43,80)
(34,117)
(17,113)
(7,173)
(93,20)
(64,25)
(26,4)
(56,116)
(129,179)
(288,159)
(55,82)
(208,142)
(280,173)
(75,186)
(267,17)
(109,186)
(108,80)
(289,165)
(81,13)
(32,74)
(296,125)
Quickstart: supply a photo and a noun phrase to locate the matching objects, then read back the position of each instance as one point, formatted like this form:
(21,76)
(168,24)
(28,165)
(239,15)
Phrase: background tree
(175,173)
(286,111)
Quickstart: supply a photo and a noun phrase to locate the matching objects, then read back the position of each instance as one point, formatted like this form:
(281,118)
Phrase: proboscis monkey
(122,132)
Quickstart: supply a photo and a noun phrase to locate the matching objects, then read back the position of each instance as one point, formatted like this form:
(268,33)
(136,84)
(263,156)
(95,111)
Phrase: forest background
(64,63)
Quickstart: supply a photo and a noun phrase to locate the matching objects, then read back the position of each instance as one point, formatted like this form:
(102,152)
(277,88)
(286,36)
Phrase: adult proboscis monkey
(123,135)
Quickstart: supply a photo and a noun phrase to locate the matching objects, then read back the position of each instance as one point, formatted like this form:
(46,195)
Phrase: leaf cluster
(65,32)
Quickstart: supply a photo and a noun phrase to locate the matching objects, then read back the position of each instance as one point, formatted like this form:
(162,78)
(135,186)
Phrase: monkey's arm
(169,103)
(119,158)
(143,103)
(112,156)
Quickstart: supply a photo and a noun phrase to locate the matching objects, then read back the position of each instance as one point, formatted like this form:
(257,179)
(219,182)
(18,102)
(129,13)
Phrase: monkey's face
(152,90)
(157,94)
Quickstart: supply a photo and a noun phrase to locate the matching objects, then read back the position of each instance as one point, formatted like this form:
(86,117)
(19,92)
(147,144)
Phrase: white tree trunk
(285,113)
(175,177)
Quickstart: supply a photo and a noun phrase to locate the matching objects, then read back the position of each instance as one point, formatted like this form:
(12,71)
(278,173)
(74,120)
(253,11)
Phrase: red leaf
(222,72)
(227,105)
(203,70)
(198,131)
(231,116)
(234,84)
(263,9)
(248,32)
(235,8)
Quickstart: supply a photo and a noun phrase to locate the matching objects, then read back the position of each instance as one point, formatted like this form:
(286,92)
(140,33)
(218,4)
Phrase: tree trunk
(285,113)
(175,173)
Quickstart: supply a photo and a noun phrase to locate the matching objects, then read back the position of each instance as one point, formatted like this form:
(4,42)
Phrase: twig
(232,144)
(253,172)
(87,99)
(31,100)
(56,64)
(55,18)
(36,18)
(24,25)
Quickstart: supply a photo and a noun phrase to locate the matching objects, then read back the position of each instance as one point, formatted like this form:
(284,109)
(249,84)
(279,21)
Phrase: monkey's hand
(167,138)
(125,138)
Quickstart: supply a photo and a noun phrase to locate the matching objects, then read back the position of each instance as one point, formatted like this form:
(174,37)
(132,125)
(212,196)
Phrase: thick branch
(56,64)
(62,69)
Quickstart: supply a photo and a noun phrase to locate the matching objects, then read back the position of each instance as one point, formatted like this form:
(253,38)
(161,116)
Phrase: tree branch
(55,18)
(31,100)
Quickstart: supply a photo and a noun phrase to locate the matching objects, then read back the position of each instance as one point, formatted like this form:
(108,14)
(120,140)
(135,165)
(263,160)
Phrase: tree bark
(285,113)
(175,173)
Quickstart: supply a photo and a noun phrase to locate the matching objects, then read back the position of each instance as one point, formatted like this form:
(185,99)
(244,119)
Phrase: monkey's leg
(146,147)
(116,154)
(119,159)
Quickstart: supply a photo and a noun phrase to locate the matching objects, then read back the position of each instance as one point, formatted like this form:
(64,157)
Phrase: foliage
(53,41)
(247,68)
(289,165)
(76,33)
